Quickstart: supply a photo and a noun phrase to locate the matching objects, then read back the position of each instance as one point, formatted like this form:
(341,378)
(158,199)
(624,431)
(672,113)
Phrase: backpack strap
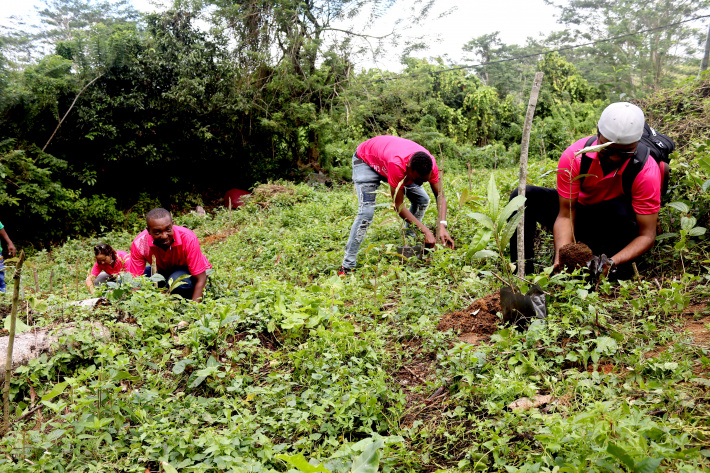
(586,162)
(635,166)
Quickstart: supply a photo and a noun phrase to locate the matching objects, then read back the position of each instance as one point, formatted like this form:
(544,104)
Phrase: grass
(285,358)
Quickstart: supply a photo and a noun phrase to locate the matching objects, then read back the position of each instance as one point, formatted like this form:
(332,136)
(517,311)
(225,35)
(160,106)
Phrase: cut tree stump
(32,344)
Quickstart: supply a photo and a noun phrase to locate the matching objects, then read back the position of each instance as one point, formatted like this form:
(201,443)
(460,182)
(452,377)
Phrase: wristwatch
(446,224)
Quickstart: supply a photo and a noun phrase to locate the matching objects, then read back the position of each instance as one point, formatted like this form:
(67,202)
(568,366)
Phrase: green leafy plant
(497,223)
(688,228)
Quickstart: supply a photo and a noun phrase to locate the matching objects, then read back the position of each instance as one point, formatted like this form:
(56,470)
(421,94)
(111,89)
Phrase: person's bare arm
(11,250)
(429,239)
(642,243)
(90,283)
(563,228)
(199,286)
(442,232)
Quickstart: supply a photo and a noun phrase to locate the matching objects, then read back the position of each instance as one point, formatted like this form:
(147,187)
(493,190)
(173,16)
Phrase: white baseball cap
(622,123)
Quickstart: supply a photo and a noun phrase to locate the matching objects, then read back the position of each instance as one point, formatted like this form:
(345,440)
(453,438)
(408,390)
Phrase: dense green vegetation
(284,362)
(183,105)
(284,358)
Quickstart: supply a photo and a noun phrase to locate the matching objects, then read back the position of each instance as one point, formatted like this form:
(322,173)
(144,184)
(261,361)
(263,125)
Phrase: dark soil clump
(575,256)
(480,317)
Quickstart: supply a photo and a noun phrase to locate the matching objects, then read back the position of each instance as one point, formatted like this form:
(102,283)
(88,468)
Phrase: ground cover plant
(287,367)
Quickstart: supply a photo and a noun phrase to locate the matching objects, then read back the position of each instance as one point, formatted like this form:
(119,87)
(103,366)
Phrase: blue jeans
(188,284)
(366,181)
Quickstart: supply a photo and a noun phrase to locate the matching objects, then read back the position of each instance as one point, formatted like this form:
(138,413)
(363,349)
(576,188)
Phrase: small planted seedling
(500,224)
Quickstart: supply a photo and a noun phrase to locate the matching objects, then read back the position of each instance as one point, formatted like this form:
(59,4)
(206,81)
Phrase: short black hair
(157,214)
(421,163)
(105,249)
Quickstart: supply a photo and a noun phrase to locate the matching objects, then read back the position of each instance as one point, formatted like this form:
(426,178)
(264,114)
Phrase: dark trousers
(188,284)
(606,227)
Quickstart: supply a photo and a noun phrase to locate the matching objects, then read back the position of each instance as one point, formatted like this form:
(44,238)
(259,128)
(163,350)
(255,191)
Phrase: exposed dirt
(219,236)
(697,328)
(417,369)
(6,309)
(575,256)
(477,322)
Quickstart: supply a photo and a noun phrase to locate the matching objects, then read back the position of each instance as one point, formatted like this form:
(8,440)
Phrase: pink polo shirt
(112,269)
(185,251)
(389,157)
(645,191)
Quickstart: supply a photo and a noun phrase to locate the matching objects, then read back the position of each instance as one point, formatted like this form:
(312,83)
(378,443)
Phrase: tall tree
(637,63)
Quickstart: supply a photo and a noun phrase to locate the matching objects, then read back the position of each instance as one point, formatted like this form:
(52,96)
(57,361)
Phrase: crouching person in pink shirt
(109,264)
(176,251)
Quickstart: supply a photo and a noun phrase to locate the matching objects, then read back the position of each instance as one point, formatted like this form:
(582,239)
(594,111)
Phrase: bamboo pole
(229,214)
(69,110)
(10,343)
(524,145)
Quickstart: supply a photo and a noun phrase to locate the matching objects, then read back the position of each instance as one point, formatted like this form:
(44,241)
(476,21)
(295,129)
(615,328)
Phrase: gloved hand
(601,266)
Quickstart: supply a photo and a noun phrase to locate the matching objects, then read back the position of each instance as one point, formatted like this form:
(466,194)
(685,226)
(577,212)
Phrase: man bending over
(395,160)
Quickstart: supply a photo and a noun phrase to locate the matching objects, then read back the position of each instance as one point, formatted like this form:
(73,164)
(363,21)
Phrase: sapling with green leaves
(688,228)
(497,223)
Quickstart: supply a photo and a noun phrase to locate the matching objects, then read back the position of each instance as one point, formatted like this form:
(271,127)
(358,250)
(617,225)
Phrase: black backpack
(656,144)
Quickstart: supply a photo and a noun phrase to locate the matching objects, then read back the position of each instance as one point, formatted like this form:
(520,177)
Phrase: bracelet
(446,224)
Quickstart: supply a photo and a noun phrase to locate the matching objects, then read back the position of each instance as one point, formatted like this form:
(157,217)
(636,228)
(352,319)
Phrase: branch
(70,107)
(352,33)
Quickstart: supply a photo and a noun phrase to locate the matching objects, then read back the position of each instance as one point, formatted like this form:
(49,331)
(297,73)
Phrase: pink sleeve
(395,174)
(434,173)
(646,190)
(136,263)
(196,261)
(567,170)
(95,271)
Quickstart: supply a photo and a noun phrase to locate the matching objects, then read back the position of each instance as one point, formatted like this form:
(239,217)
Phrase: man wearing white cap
(613,216)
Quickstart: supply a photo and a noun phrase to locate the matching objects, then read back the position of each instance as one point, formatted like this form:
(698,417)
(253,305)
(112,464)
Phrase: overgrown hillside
(285,359)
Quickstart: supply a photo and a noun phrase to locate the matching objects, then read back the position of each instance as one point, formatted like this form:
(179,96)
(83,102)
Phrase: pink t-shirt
(389,157)
(115,268)
(185,251)
(645,191)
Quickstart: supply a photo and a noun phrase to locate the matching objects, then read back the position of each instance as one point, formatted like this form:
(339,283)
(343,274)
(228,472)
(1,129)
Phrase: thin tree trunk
(706,56)
(69,110)
(10,343)
(524,145)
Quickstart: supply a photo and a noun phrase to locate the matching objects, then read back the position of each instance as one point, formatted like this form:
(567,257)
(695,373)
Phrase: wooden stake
(524,145)
(706,56)
(154,268)
(51,280)
(11,342)
(76,276)
(34,273)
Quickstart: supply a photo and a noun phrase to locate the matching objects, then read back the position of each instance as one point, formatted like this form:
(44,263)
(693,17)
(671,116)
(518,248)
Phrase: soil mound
(479,318)
(265,191)
(575,256)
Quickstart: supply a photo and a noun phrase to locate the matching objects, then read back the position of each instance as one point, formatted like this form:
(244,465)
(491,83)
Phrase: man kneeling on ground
(176,251)
(623,227)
